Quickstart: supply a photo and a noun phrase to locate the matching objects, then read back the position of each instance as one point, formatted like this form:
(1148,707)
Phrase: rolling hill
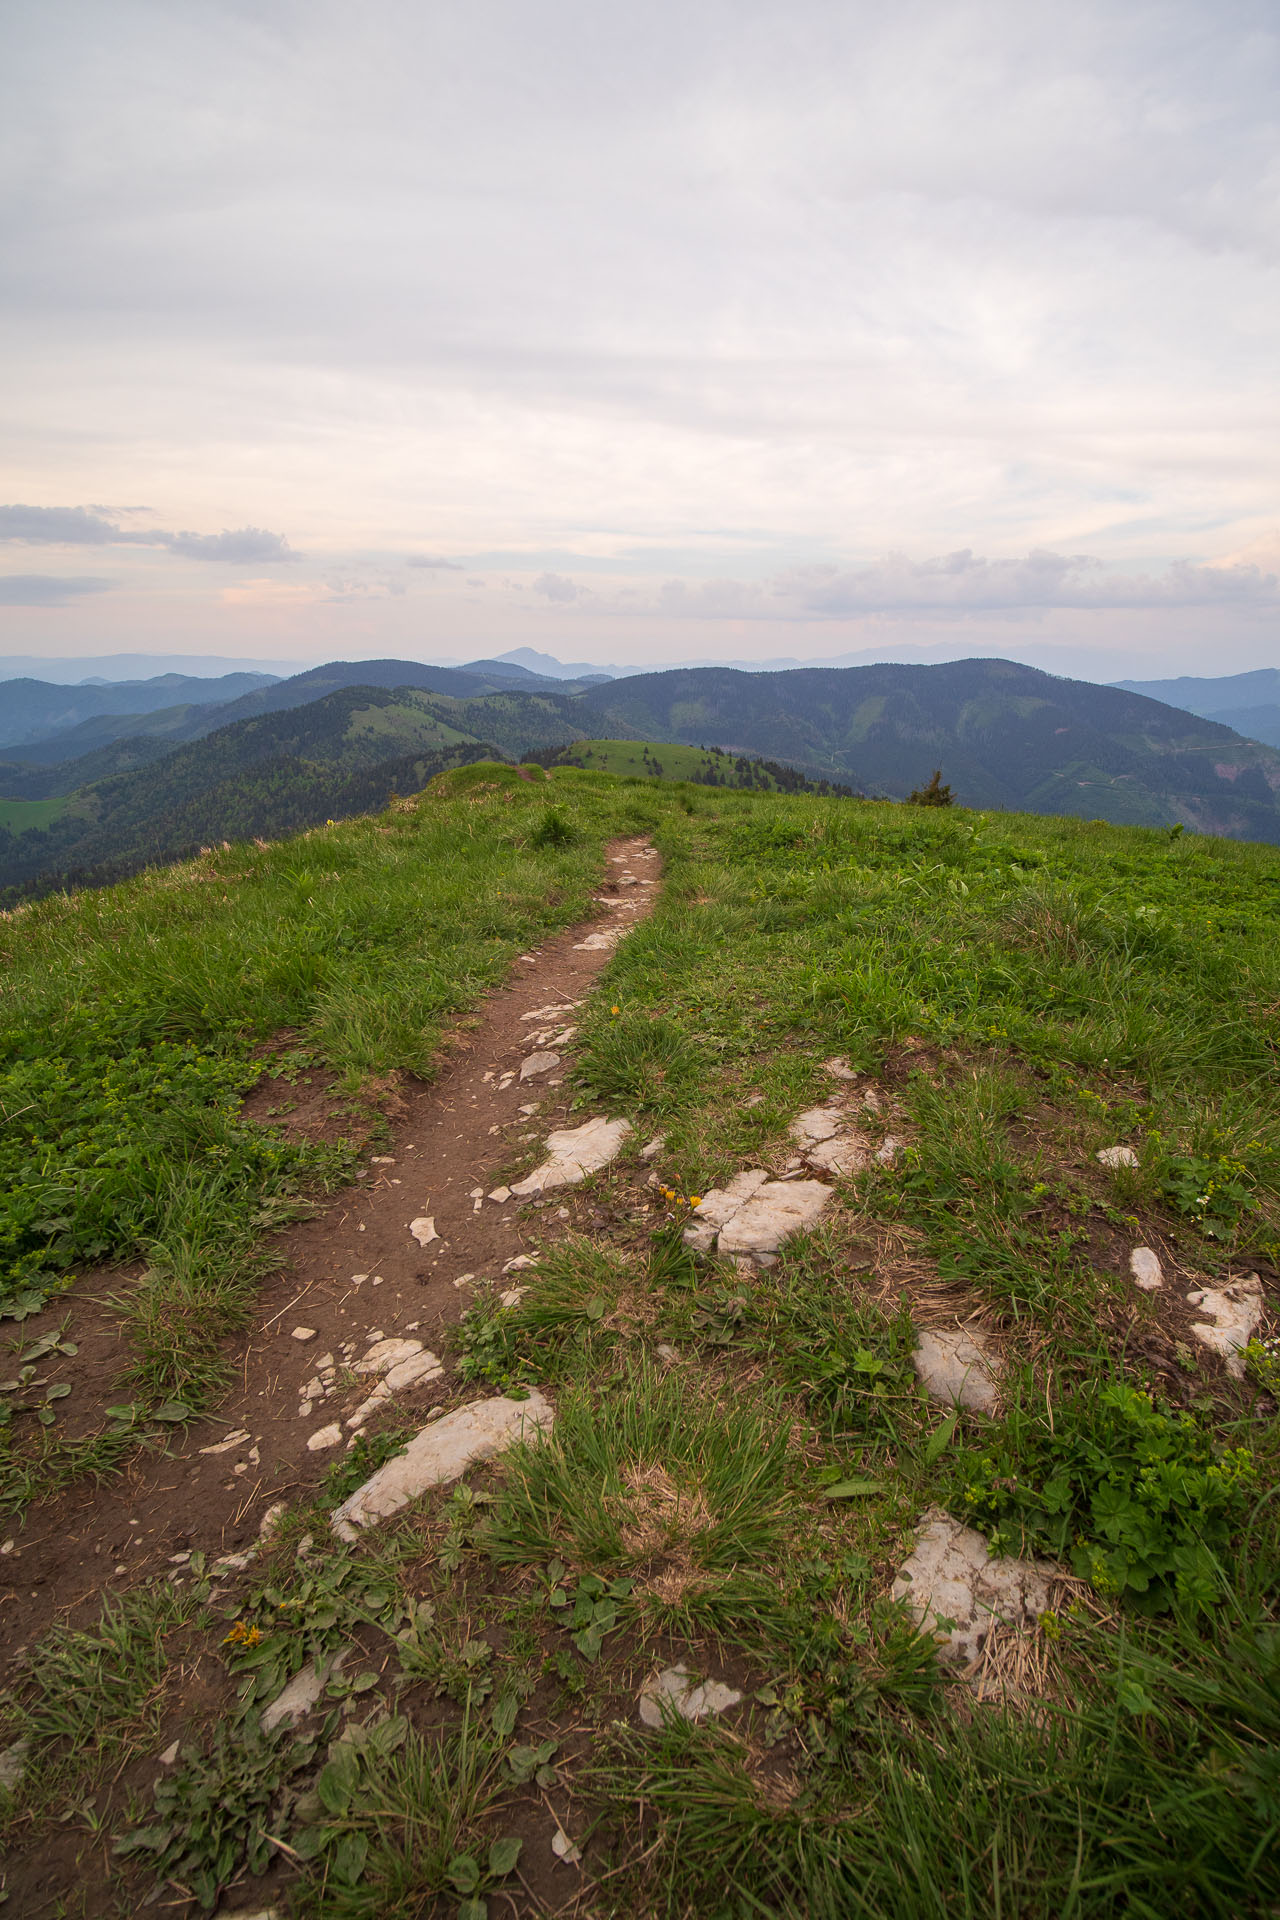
(1006,736)
(264,776)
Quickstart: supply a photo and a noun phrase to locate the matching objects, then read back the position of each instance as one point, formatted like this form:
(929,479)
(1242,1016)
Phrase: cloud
(241,546)
(86,527)
(45,590)
(962,583)
(57,526)
(556,587)
(425,560)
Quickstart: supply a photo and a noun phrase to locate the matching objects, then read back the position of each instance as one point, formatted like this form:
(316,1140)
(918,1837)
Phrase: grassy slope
(20,816)
(1028,990)
(643,760)
(127,1032)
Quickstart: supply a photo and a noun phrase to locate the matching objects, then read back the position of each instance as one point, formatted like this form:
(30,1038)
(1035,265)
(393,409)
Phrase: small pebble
(304,1333)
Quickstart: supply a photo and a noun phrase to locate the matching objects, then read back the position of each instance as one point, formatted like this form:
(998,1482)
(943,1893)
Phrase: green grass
(22,816)
(130,1023)
(640,759)
(739,1458)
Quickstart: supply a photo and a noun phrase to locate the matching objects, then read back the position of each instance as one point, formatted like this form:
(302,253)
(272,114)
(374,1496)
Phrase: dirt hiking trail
(351,1276)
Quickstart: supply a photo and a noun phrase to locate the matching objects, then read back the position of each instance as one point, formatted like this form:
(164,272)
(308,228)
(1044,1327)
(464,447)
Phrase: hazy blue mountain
(1256,723)
(1212,698)
(32,710)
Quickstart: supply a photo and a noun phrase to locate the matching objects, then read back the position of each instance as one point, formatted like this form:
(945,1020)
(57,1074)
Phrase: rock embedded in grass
(677,1693)
(440,1453)
(300,1696)
(574,1152)
(1236,1313)
(1115,1157)
(1144,1265)
(955,1365)
(754,1214)
(13,1763)
(951,1577)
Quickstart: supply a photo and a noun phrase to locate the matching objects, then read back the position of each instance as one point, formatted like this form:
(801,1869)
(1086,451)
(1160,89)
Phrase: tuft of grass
(656,1479)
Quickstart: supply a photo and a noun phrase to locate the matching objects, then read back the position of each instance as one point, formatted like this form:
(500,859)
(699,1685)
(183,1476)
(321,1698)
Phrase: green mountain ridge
(1006,736)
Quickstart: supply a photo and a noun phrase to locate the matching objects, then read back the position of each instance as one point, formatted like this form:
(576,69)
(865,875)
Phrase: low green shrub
(1139,1502)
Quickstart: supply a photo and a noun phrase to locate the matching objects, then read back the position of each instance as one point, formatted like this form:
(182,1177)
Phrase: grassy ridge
(738,1460)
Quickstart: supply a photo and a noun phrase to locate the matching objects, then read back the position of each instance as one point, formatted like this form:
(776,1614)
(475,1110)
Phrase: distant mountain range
(31,710)
(340,738)
(1249,702)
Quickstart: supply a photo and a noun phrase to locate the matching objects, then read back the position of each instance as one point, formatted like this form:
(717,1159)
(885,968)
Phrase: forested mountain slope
(1005,735)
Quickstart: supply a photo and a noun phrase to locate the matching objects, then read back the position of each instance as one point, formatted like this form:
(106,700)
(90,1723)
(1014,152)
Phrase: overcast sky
(736,329)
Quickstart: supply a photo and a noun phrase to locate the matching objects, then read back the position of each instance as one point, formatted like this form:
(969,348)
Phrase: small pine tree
(934,795)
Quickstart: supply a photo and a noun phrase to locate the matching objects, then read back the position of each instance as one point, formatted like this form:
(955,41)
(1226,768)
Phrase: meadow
(739,1458)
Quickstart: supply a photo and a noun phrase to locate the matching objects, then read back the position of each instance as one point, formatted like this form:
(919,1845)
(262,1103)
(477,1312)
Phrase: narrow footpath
(391,1259)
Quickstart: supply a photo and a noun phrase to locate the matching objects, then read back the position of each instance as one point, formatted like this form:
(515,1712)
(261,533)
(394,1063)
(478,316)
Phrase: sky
(746,330)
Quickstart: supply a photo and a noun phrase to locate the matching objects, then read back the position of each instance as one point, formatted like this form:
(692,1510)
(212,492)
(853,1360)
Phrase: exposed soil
(351,1273)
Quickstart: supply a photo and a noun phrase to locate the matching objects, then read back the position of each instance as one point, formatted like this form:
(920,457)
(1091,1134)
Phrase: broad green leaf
(941,1439)
(463,1873)
(503,1855)
(854,1489)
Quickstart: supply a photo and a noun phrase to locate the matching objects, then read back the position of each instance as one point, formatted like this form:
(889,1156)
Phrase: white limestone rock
(955,1365)
(715,1209)
(1236,1313)
(300,1696)
(753,1214)
(536,1063)
(324,1437)
(423,1230)
(817,1123)
(842,1156)
(1144,1265)
(677,1693)
(441,1453)
(774,1212)
(951,1576)
(573,1153)
(271,1521)
(839,1069)
(385,1354)
(1113,1157)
